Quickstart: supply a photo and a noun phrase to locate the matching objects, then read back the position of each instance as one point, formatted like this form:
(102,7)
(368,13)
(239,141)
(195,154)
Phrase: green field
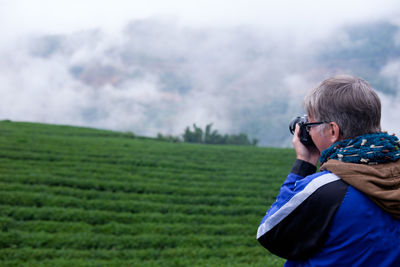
(84,197)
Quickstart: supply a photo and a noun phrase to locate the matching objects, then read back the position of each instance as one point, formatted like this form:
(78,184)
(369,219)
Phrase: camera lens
(292,124)
(304,136)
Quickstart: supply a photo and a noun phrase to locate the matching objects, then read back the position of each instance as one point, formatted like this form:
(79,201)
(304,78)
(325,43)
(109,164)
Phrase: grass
(73,196)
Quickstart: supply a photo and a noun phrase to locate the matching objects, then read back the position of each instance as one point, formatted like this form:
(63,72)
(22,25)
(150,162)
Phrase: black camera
(305,137)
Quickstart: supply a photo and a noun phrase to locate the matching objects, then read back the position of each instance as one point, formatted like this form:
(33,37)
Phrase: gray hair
(349,101)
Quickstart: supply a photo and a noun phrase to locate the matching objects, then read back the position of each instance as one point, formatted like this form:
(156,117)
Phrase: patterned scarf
(368,149)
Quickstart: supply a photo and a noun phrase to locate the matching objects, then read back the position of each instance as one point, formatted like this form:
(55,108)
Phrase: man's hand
(307,153)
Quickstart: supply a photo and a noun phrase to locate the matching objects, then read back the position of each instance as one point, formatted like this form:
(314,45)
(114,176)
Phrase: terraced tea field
(74,196)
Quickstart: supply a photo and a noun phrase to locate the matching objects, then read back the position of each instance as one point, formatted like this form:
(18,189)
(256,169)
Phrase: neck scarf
(367,149)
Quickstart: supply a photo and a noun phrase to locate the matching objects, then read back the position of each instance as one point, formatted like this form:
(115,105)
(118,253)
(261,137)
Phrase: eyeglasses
(308,125)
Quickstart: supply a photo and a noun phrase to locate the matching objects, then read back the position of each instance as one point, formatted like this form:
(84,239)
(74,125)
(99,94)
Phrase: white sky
(62,16)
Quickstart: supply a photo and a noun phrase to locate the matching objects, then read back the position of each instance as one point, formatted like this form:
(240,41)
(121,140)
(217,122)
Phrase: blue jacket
(319,220)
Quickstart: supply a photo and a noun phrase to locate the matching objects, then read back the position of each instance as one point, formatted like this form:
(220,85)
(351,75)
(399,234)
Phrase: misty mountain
(158,76)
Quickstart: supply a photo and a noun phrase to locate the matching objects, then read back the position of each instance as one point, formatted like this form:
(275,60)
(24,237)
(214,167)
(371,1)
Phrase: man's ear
(333,132)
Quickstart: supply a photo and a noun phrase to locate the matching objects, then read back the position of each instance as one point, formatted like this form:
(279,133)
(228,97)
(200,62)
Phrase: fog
(162,72)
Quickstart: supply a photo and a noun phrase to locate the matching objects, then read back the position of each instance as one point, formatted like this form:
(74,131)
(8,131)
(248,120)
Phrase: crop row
(222,189)
(174,168)
(160,198)
(176,262)
(142,185)
(129,173)
(56,157)
(17,239)
(127,160)
(29,199)
(240,256)
(246,178)
(236,252)
(95,217)
(126,146)
(112,228)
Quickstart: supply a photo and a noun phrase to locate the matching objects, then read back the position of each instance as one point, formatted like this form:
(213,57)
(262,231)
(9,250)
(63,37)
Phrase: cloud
(159,75)
(390,108)
(391,72)
(390,111)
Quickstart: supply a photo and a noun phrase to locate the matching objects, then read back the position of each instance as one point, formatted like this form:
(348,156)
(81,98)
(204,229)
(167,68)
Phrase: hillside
(85,197)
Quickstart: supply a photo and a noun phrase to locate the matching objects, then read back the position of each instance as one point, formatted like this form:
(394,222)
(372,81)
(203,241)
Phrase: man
(349,213)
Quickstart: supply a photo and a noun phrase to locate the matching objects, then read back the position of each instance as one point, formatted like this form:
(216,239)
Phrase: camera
(305,137)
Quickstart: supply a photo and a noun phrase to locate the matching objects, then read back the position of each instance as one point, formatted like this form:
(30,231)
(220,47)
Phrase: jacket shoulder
(299,227)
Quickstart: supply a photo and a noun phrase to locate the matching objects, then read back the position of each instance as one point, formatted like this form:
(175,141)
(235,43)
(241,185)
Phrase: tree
(210,136)
(193,137)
